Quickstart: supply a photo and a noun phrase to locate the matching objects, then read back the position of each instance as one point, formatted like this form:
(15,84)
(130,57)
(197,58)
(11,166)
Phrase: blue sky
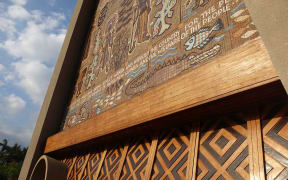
(31,36)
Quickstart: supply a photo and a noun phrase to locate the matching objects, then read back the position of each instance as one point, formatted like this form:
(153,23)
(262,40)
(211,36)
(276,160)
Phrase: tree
(11,159)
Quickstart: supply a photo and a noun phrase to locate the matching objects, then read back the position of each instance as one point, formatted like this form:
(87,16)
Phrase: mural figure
(125,14)
(80,83)
(108,44)
(140,21)
(91,71)
(84,113)
(201,38)
(194,4)
(120,50)
(102,15)
(160,25)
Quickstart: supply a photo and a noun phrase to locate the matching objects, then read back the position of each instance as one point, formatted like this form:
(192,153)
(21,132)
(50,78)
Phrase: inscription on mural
(135,45)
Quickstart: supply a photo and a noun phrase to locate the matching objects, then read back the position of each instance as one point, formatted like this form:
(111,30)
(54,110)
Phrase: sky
(31,36)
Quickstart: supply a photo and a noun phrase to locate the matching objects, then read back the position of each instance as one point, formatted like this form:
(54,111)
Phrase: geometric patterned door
(223,152)
(247,144)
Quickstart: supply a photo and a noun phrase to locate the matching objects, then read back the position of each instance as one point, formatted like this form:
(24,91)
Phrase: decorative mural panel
(172,155)
(223,150)
(275,138)
(134,45)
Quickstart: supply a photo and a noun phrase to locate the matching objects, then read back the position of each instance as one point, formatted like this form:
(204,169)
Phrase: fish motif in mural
(196,59)
(200,39)
(249,34)
(238,13)
(160,25)
(241,18)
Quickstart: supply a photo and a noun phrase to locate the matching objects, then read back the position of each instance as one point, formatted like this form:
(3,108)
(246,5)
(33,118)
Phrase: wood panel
(275,139)
(224,147)
(84,167)
(193,152)
(136,161)
(256,162)
(244,68)
(172,155)
(113,163)
(223,151)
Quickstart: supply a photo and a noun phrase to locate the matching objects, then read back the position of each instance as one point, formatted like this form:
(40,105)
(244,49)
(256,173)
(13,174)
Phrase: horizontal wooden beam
(244,68)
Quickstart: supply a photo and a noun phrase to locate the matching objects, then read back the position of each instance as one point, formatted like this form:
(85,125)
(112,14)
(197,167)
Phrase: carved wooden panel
(232,147)
(275,138)
(110,168)
(172,155)
(223,150)
(136,160)
(93,166)
(70,164)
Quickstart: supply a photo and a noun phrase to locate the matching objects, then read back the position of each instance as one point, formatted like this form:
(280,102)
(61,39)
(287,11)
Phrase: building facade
(168,89)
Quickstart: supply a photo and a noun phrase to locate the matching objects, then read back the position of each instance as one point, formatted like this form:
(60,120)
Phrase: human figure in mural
(140,23)
(108,45)
(120,50)
(160,25)
(78,89)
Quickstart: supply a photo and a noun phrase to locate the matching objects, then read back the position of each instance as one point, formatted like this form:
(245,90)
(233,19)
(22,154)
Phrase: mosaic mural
(134,45)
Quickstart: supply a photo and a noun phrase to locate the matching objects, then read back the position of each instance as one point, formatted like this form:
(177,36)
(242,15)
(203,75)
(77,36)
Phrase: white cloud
(51,2)
(16,133)
(7,26)
(34,44)
(2,83)
(2,5)
(18,12)
(12,105)
(19,2)
(34,78)
(2,67)
(35,48)
(9,76)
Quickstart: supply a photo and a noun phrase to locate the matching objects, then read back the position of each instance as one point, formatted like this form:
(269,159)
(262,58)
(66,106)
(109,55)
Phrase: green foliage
(11,158)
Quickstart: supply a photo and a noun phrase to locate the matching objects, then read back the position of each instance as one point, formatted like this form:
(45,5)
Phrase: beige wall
(271,19)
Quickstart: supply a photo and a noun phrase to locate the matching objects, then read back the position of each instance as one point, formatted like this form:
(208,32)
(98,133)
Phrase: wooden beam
(149,167)
(193,152)
(244,68)
(100,163)
(122,161)
(255,148)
